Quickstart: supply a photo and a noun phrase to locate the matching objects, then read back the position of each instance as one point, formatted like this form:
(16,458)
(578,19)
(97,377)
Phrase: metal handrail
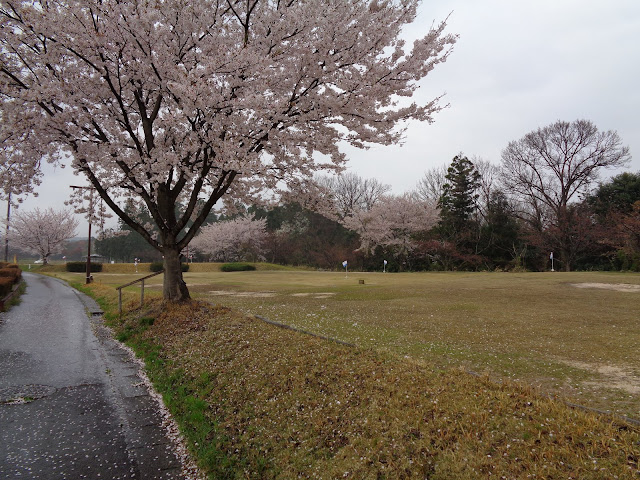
(141,280)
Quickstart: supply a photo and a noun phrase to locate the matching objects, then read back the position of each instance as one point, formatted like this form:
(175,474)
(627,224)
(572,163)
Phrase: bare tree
(429,187)
(550,167)
(349,192)
(489,179)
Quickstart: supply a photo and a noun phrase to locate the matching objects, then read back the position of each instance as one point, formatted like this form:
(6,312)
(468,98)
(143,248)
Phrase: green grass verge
(183,395)
(15,299)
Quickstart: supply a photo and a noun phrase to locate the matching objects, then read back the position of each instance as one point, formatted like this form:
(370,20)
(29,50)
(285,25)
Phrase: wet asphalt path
(71,403)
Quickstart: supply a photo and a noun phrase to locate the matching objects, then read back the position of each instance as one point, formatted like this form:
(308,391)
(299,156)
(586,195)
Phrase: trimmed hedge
(79,267)
(11,271)
(6,286)
(10,274)
(237,267)
(157,266)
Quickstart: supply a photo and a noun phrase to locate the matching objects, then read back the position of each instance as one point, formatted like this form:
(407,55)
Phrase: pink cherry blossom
(240,239)
(43,231)
(392,222)
(170,101)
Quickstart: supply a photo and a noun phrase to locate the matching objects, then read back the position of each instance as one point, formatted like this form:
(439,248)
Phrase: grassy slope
(257,401)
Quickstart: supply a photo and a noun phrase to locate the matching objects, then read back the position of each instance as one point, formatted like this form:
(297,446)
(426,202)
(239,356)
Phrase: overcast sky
(517,66)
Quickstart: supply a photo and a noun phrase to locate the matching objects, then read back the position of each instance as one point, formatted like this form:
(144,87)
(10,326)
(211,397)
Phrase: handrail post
(141,280)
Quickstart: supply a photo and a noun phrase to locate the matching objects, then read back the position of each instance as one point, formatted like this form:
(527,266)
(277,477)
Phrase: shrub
(12,272)
(79,267)
(627,260)
(158,266)
(6,285)
(237,267)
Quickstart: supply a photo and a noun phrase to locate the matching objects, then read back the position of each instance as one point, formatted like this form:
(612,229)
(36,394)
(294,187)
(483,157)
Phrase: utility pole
(88,279)
(6,236)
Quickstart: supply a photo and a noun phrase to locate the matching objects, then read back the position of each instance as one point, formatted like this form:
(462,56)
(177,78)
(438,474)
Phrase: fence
(141,280)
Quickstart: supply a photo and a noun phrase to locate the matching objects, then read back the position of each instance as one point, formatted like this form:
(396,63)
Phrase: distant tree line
(469,215)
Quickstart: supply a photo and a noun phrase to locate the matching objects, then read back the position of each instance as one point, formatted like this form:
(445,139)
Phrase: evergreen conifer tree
(459,198)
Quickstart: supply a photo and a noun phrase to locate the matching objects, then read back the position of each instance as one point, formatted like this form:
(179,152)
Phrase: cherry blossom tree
(393,223)
(43,231)
(17,179)
(169,102)
(240,239)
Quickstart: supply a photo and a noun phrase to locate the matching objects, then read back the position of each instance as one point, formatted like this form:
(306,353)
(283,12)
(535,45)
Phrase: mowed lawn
(571,334)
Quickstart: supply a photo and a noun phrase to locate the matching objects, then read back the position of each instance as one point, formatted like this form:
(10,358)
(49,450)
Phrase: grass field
(256,401)
(542,329)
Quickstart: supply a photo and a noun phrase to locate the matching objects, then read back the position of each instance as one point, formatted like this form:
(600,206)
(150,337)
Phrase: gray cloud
(519,66)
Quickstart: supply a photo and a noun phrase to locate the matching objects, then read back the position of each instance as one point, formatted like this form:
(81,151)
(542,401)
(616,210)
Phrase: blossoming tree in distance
(175,102)
(43,231)
(240,239)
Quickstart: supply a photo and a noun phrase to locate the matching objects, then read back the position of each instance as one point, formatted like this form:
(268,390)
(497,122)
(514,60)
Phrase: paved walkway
(71,403)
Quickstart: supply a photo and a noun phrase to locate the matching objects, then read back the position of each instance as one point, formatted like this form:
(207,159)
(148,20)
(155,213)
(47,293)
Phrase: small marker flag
(551,256)
(344,264)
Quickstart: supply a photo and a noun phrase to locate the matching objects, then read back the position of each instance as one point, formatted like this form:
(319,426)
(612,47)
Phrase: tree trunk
(564,255)
(173,289)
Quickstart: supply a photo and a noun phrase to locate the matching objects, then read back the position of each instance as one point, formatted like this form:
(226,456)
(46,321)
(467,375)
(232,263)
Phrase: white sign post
(384,266)
(551,257)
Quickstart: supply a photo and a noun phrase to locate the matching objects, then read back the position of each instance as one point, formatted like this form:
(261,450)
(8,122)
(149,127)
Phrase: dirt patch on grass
(612,376)
(235,293)
(314,295)
(619,287)
(242,294)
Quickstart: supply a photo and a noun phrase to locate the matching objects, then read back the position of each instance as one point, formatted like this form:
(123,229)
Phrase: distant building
(95,258)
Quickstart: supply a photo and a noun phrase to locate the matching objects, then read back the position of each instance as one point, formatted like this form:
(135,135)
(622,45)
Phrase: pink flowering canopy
(184,101)
(393,222)
(240,239)
(43,231)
